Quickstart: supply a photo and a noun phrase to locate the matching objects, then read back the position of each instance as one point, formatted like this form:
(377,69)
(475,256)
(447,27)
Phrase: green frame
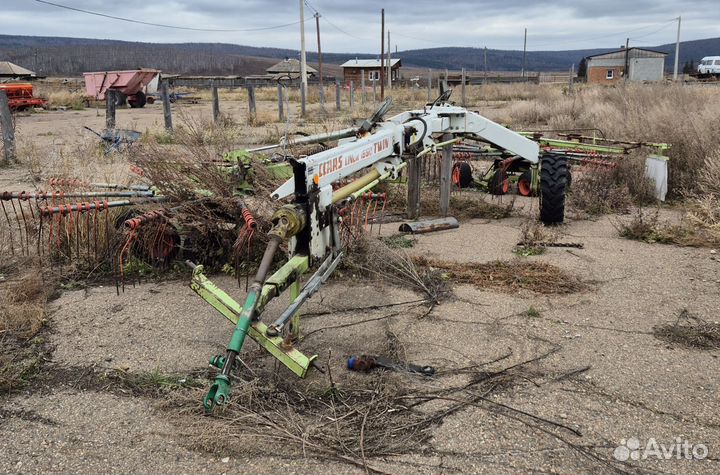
(288,276)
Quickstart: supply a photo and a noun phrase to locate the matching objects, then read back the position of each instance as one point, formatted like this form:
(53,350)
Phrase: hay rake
(330,198)
(61,223)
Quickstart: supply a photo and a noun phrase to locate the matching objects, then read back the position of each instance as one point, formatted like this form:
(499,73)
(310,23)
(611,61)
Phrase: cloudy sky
(354,26)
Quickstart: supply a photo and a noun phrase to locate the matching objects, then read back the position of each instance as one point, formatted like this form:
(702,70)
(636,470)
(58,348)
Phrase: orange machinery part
(20,96)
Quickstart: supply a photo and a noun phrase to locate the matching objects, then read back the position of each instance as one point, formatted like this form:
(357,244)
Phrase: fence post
(167,111)
(374,91)
(337,95)
(413,188)
(302,98)
(110,99)
(281,114)
(352,95)
(322,96)
(362,87)
(429,85)
(252,108)
(445,176)
(462,88)
(571,78)
(215,104)
(8,132)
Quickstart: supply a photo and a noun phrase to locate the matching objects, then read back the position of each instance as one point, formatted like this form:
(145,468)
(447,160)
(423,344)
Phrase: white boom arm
(383,148)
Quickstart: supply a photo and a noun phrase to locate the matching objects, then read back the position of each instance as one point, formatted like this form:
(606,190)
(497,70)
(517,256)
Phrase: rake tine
(367,214)
(77,233)
(373,214)
(19,226)
(107,230)
(25,223)
(87,235)
(58,237)
(10,232)
(68,231)
(382,213)
(39,238)
(95,228)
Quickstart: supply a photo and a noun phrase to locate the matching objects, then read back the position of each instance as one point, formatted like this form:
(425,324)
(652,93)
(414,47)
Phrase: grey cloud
(560,24)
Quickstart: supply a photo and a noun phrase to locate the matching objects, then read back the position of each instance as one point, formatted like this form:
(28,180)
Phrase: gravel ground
(607,380)
(636,385)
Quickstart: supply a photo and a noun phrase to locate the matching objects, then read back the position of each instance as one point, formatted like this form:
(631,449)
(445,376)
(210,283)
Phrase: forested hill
(71,56)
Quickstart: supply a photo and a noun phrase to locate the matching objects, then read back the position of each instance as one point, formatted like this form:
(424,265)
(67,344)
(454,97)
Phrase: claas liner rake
(316,207)
(587,152)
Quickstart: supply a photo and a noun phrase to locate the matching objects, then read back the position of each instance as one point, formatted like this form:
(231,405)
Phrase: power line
(655,31)
(325,18)
(609,35)
(161,25)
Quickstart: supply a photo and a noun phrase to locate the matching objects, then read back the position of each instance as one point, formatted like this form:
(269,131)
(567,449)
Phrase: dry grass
(358,421)
(508,276)
(599,190)
(690,331)
(22,305)
(23,302)
(683,116)
(71,100)
(647,226)
(380,260)
(463,206)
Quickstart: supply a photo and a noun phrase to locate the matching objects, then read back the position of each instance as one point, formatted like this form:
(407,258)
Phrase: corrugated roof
(11,69)
(623,51)
(290,65)
(367,63)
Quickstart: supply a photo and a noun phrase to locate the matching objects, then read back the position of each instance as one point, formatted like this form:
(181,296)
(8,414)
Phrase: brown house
(355,69)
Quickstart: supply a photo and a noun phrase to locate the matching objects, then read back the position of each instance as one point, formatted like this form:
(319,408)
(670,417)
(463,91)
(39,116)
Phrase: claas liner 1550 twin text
(309,220)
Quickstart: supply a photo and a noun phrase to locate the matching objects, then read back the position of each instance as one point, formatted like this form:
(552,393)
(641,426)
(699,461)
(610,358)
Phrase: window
(373,75)
(610,74)
(717,62)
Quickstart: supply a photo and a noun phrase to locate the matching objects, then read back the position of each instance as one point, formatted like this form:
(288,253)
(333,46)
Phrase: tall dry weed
(684,116)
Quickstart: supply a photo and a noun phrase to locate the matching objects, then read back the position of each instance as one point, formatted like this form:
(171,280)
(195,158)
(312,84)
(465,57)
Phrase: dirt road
(577,379)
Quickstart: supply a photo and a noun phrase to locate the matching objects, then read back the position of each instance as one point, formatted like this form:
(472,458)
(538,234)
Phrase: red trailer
(128,84)
(20,96)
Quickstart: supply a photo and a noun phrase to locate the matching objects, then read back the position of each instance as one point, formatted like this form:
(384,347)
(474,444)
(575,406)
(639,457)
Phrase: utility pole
(485,64)
(303,64)
(317,26)
(382,55)
(522,74)
(677,51)
(626,72)
(389,64)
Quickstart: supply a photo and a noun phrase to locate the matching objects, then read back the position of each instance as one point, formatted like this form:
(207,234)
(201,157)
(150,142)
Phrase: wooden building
(290,67)
(355,69)
(10,70)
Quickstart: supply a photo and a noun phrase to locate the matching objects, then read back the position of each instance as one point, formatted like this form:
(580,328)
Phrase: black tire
(553,183)
(499,183)
(138,101)
(120,99)
(462,174)
(569,180)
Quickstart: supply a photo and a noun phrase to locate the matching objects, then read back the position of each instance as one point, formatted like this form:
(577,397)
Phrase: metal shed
(641,65)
